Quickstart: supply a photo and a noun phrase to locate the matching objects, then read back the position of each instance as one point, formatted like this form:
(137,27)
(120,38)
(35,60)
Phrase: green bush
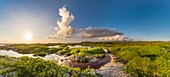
(65,50)
(53,50)
(96,50)
(83,50)
(41,49)
(42,54)
(166,56)
(37,67)
(127,55)
(62,52)
(167,47)
(138,67)
(144,67)
(99,55)
(82,59)
(75,50)
(151,50)
(131,48)
(24,48)
(114,50)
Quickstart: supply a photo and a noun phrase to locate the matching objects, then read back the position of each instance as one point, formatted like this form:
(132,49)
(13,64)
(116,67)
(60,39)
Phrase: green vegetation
(77,54)
(43,50)
(82,54)
(36,49)
(65,51)
(96,50)
(142,59)
(37,67)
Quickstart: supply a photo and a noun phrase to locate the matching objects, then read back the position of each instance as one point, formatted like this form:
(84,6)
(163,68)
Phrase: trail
(112,69)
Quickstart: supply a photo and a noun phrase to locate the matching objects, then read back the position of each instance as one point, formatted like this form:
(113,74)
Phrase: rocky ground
(112,69)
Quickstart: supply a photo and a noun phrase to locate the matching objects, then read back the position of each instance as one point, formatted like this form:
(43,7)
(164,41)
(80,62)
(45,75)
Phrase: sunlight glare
(28,36)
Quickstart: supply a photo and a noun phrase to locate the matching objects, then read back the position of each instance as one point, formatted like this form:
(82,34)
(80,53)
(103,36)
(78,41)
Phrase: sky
(84,20)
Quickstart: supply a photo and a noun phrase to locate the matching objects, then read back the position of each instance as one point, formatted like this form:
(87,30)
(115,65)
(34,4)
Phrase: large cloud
(63,26)
(103,34)
(98,32)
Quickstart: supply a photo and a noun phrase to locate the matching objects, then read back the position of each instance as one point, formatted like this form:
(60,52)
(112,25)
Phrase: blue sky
(135,18)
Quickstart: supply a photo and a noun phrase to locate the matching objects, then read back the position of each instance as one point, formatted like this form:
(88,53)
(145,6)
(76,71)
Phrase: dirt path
(112,69)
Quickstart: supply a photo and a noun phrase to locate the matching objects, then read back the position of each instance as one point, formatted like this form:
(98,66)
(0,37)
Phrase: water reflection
(50,57)
(70,46)
(11,53)
(78,46)
(2,45)
(56,46)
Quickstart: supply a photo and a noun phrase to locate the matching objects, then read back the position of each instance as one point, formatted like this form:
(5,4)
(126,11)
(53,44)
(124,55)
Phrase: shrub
(127,55)
(40,54)
(75,50)
(99,55)
(114,50)
(41,49)
(151,50)
(167,47)
(37,67)
(138,67)
(62,52)
(66,48)
(82,59)
(83,50)
(96,50)
(144,67)
(53,50)
(166,56)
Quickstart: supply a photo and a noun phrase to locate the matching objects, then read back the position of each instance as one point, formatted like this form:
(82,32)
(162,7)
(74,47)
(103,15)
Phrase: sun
(28,36)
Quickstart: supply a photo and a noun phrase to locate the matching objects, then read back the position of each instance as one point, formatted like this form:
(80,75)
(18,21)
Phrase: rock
(105,50)
(94,60)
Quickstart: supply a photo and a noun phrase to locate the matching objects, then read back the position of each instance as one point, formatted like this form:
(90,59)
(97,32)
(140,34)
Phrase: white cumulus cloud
(63,26)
